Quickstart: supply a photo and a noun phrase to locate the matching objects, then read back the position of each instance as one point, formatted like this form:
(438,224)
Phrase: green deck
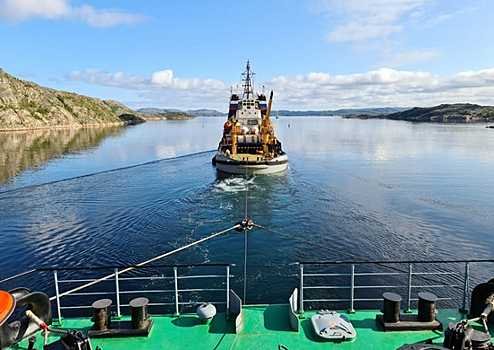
(265,327)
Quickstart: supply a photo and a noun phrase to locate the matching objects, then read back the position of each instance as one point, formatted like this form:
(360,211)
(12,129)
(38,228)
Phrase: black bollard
(391,309)
(427,307)
(101,314)
(139,312)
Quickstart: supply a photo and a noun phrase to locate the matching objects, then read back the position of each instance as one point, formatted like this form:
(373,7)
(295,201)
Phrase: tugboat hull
(256,167)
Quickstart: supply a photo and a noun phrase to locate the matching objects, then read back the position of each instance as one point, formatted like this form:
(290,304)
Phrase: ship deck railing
(336,285)
(174,293)
(450,280)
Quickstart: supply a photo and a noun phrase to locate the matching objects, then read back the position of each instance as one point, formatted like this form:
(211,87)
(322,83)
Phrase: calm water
(377,189)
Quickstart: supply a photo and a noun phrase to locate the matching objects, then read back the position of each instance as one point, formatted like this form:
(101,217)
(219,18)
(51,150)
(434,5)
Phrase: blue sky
(324,54)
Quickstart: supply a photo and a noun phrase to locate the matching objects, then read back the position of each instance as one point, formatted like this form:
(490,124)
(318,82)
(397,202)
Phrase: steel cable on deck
(145,262)
(245,233)
(18,275)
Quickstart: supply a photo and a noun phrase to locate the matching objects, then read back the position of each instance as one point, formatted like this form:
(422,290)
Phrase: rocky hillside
(459,112)
(175,116)
(342,112)
(25,105)
(152,110)
(445,113)
(190,112)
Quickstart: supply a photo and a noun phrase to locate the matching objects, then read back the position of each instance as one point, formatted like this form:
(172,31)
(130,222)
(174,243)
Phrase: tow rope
(146,262)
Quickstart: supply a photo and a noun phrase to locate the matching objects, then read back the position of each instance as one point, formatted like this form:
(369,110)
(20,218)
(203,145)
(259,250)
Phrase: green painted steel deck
(265,327)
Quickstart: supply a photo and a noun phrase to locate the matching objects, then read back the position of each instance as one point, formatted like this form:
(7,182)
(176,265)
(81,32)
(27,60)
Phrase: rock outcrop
(445,113)
(26,105)
(459,112)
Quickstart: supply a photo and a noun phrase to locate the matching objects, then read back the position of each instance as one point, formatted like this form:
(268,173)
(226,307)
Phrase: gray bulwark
(292,301)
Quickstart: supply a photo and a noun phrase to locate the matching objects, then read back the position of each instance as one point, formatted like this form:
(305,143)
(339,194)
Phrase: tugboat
(249,145)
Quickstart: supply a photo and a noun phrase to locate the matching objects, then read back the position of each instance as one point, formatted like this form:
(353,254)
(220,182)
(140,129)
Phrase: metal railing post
(301,289)
(59,312)
(465,286)
(175,277)
(117,292)
(409,297)
(352,289)
(227,291)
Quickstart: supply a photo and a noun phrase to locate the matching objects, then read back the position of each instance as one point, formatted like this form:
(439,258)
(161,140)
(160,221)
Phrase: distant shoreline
(445,113)
(439,121)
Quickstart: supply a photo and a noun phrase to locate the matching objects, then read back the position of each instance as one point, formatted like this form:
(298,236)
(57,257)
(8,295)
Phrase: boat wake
(234,184)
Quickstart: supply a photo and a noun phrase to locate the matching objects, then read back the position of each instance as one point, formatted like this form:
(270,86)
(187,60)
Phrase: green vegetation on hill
(205,113)
(283,112)
(176,115)
(165,115)
(348,111)
(152,110)
(26,105)
(192,113)
(459,113)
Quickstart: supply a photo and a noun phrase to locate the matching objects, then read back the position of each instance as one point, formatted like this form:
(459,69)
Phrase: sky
(314,54)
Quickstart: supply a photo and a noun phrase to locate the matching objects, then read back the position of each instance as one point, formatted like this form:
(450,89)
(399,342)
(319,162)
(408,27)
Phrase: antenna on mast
(247,81)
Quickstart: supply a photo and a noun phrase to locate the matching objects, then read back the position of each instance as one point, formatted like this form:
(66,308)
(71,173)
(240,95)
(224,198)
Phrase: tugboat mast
(248,89)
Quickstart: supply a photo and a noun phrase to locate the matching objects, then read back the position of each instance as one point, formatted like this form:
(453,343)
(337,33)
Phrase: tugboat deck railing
(346,285)
(117,292)
(462,276)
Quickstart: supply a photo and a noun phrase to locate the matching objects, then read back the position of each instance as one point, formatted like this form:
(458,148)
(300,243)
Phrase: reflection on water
(25,150)
(122,147)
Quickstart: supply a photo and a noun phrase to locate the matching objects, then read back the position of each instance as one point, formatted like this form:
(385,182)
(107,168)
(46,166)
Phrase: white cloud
(358,31)
(383,87)
(405,58)
(359,20)
(448,16)
(158,80)
(378,88)
(162,78)
(24,10)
